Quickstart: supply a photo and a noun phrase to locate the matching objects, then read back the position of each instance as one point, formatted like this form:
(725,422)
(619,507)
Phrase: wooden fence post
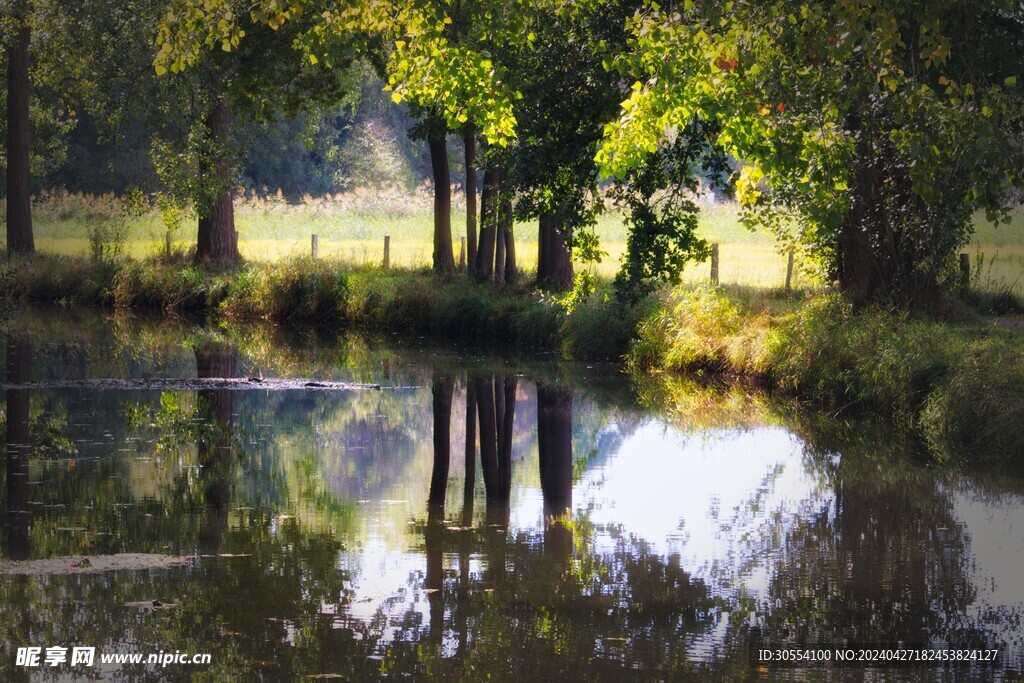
(789,271)
(387,251)
(314,243)
(714,263)
(965,273)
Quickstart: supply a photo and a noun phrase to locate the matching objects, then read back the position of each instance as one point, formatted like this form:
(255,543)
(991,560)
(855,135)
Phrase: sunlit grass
(352,227)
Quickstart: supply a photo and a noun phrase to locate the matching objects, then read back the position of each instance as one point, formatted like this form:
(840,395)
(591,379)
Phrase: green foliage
(598,325)
(661,215)
(304,289)
(873,130)
(977,411)
(561,110)
(429,60)
(204,61)
(108,230)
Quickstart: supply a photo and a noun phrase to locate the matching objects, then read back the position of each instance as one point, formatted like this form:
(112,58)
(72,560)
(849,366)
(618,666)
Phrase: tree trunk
(499,240)
(508,222)
(856,274)
(488,209)
(444,259)
(859,270)
(441,391)
(469,141)
(19,189)
(217,240)
(554,260)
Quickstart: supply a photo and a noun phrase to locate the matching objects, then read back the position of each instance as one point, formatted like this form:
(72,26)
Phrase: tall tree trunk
(441,391)
(18,448)
(488,211)
(19,189)
(469,142)
(554,260)
(508,222)
(217,240)
(444,260)
(859,272)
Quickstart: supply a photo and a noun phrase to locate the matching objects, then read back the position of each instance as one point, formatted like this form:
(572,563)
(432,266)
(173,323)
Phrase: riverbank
(958,387)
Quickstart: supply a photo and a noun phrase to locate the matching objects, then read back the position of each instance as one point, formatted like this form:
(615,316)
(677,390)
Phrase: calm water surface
(594,530)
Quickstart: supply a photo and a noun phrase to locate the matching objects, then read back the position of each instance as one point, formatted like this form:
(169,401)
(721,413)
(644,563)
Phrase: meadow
(351,228)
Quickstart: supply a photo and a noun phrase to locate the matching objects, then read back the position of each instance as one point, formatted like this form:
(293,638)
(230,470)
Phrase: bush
(977,412)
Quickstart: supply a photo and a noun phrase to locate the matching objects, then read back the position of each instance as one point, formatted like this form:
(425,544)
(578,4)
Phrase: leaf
(1010,81)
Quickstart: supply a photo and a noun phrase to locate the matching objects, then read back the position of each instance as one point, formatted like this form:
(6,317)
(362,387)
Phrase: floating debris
(152,605)
(90,565)
(191,384)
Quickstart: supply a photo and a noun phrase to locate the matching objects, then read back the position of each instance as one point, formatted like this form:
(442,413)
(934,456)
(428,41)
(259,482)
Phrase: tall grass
(959,387)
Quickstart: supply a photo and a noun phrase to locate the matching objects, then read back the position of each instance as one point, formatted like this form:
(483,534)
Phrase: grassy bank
(959,387)
(328,294)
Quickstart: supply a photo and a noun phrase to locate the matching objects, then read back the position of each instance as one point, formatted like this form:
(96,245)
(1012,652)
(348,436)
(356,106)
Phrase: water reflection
(580,535)
(17,448)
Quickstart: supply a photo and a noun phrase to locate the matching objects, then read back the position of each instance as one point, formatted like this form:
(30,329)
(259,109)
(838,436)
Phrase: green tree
(559,121)
(232,82)
(438,57)
(872,131)
(445,74)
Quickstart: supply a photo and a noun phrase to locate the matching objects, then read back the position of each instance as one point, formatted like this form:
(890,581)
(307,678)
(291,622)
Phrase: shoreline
(957,387)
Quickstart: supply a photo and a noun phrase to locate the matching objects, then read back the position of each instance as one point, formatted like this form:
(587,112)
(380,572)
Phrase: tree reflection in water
(17,449)
(214,442)
(303,496)
(546,604)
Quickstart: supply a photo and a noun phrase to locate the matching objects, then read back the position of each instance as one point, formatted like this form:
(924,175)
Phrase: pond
(597,528)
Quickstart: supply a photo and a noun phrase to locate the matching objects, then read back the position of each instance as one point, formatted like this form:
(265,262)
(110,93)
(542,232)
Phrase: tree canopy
(870,131)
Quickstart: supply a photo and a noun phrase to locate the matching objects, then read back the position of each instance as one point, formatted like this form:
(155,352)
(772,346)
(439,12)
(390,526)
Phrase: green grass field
(352,227)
